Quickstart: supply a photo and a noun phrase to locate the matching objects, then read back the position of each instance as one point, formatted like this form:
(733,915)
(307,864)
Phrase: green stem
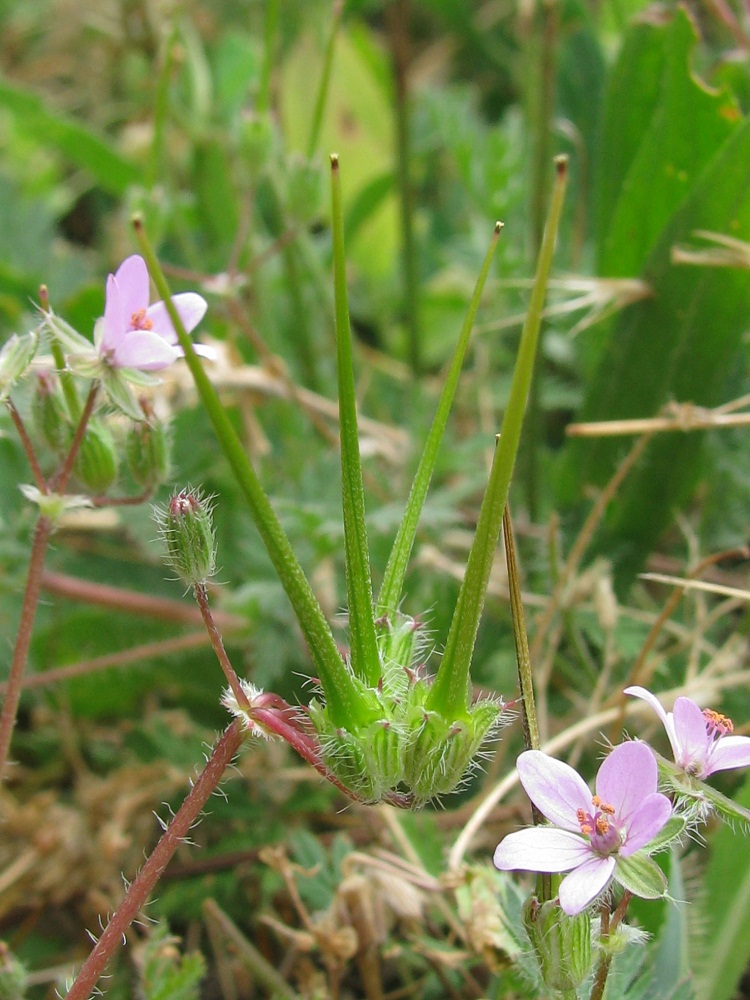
(397,19)
(344,700)
(364,647)
(528,707)
(161,109)
(393,579)
(270,32)
(325,79)
(449,693)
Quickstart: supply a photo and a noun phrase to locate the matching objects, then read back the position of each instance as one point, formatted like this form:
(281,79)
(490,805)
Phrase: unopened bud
(96,461)
(562,943)
(186,525)
(147,449)
(15,358)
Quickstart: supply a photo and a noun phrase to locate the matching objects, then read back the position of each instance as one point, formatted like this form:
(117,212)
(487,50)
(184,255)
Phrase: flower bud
(186,525)
(96,461)
(147,448)
(562,943)
(50,413)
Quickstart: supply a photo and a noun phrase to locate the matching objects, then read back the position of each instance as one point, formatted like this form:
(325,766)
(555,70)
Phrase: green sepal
(641,875)
(697,798)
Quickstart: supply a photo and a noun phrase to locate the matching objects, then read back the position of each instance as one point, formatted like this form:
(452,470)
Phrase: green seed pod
(562,943)
(50,413)
(186,525)
(15,357)
(148,452)
(96,462)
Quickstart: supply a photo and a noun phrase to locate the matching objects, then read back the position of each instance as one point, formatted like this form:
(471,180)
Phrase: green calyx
(562,943)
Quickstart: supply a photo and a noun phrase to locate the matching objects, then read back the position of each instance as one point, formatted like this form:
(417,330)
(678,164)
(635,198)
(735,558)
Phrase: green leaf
(661,127)
(641,875)
(113,173)
(723,913)
(680,344)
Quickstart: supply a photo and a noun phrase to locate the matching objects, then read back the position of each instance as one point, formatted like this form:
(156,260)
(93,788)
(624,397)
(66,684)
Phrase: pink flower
(590,832)
(134,334)
(699,739)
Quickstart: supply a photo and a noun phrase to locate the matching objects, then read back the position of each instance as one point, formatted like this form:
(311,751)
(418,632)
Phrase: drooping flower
(700,738)
(134,334)
(590,834)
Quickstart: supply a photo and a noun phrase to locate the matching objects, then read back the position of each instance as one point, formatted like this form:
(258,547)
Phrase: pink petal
(692,735)
(555,788)
(666,717)
(584,884)
(144,350)
(115,322)
(625,778)
(652,815)
(191,308)
(541,849)
(132,281)
(729,752)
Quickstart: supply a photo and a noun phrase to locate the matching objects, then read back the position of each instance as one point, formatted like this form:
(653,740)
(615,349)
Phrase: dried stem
(141,888)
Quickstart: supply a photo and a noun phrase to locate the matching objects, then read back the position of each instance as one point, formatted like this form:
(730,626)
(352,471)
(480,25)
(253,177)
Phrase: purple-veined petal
(541,849)
(626,777)
(555,788)
(144,350)
(692,734)
(191,308)
(584,884)
(651,816)
(729,752)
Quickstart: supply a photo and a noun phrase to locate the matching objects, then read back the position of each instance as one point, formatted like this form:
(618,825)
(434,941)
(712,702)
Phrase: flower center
(598,825)
(717,725)
(139,321)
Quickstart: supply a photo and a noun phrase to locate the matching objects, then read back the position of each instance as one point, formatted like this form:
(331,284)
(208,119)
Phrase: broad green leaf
(661,126)
(722,913)
(78,144)
(678,345)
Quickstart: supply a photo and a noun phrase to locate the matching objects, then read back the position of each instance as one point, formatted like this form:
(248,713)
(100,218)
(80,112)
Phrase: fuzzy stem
(23,638)
(201,596)
(140,889)
(60,480)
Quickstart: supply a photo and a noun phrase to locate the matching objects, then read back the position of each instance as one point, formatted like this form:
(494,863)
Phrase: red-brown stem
(149,875)
(201,596)
(42,534)
(60,481)
(143,653)
(28,447)
(131,602)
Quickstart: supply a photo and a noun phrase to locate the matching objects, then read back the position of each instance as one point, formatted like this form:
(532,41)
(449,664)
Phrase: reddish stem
(28,447)
(23,638)
(141,888)
(201,596)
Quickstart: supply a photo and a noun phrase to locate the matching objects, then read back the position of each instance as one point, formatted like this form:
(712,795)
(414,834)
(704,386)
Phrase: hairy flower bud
(186,525)
(96,461)
(562,943)
(147,448)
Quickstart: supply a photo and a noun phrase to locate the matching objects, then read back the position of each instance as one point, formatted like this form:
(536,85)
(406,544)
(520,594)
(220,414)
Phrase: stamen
(717,723)
(138,321)
(602,825)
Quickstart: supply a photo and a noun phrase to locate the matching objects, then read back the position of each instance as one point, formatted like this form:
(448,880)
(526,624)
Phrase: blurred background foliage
(211,119)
